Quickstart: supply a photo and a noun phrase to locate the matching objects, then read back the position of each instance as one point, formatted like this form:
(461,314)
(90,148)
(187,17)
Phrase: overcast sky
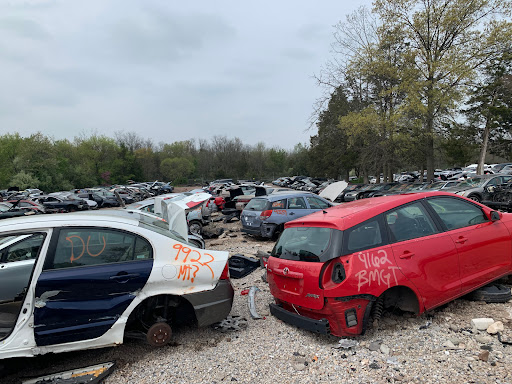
(167,70)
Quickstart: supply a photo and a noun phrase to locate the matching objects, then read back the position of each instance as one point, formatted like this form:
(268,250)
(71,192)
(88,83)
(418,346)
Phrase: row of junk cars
(89,279)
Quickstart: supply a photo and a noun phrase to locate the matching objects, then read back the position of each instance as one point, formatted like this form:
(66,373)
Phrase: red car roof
(346,215)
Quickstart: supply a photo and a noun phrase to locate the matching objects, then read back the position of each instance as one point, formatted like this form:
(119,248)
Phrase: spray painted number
(192,261)
(83,247)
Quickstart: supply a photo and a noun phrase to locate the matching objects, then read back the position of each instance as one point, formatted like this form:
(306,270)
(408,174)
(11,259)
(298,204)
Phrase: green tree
(177,169)
(449,40)
(490,111)
(24,180)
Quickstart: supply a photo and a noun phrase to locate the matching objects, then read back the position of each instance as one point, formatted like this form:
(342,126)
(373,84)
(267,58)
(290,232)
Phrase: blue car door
(297,208)
(89,278)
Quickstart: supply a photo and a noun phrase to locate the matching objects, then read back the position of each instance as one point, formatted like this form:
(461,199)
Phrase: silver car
(474,188)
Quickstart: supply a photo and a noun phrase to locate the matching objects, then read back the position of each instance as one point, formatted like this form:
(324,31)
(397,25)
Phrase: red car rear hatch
(296,282)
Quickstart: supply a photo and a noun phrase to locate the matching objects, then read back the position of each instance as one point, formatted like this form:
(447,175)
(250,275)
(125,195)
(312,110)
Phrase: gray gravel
(445,350)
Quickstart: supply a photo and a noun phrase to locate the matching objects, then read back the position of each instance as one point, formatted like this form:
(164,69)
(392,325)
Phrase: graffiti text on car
(376,270)
(85,247)
(192,261)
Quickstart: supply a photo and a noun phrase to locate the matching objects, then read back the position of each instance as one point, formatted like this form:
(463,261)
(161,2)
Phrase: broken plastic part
(252,305)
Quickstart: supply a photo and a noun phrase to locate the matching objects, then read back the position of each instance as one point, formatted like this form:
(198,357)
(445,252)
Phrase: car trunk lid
(296,282)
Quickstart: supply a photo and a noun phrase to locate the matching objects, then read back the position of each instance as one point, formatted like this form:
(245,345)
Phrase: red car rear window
(312,244)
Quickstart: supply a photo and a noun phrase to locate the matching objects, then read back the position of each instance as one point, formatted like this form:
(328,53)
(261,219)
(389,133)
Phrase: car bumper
(264,230)
(343,316)
(212,306)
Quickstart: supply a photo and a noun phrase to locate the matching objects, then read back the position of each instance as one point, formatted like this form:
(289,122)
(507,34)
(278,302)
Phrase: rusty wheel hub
(159,334)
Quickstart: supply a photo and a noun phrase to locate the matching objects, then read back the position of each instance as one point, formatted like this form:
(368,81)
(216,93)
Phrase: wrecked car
(265,216)
(87,280)
(335,271)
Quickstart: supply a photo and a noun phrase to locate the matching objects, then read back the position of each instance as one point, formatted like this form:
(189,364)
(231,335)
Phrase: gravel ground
(438,347)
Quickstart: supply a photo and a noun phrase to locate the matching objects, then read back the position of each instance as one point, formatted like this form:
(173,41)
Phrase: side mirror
(495,216)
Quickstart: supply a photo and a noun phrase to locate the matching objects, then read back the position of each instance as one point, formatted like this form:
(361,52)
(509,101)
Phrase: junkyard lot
(269,350)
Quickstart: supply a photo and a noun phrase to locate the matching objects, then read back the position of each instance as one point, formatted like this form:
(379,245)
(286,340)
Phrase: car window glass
(257,205)
(85,247)
(25,250)
(296,203)
(364,236)
(409,222)
(316,203)
(494,181)
(457,213)
(279,204)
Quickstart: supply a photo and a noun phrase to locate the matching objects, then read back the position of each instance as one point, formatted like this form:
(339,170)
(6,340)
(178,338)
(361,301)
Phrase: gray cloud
(161,35)
(24,28)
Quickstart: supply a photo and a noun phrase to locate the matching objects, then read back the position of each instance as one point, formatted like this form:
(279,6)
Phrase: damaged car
(336,271)
(90,279)
(265,216)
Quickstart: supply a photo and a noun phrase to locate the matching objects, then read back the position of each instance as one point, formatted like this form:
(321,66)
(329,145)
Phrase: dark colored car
(332,272)
(62,204)
(103,201)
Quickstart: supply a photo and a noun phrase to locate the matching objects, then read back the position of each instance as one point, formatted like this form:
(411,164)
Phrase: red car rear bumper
(340,316)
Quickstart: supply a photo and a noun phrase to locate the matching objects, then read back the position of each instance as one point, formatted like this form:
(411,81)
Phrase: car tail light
(266,214)
(243,200)
(225,273)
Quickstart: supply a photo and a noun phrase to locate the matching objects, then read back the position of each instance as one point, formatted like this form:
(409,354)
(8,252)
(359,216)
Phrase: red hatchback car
(334,270)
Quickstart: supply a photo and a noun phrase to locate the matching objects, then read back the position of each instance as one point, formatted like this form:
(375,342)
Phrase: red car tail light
(266,214)
(225,273)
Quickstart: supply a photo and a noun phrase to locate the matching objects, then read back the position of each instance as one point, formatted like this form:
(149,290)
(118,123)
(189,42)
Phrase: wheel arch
(402,297)
(174,309)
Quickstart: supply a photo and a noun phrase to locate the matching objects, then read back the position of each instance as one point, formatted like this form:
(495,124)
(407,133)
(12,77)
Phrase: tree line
(38,161)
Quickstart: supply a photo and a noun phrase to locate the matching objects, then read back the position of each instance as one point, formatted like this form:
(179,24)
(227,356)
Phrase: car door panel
(83,303)
(484,246)
(484,253)
(432,264)
(88,281)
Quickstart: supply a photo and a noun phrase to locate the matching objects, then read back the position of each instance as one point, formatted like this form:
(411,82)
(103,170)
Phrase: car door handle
(461,240)
(406,255)
(125,276)
(292,213)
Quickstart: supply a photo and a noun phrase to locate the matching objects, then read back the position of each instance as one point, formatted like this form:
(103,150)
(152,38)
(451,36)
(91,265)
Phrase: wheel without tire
(493,293)
(159,334)
(195,228)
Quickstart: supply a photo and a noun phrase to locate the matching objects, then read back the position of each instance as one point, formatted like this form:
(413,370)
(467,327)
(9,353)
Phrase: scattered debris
(240,266)
(426,325)
(231,324)
(504,342)
(484,356)
(375,345)
(252,305)
(89,375)
(481,323)
(212,233)
(384,349)
(346,344)
(496,327)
